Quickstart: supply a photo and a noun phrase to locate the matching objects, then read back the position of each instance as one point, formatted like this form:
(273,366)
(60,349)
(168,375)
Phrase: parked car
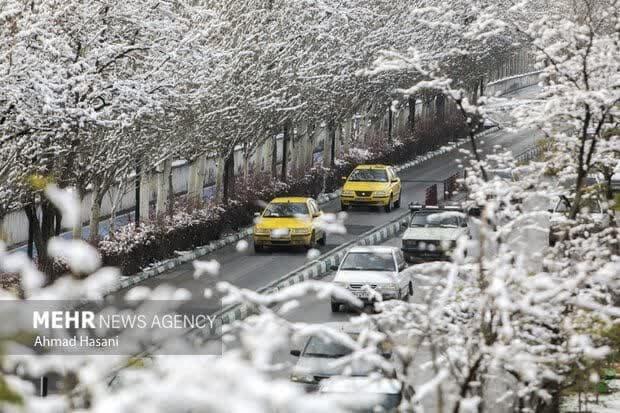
(373,271)
(288,221)
(371,185)
(433,231)
(319,357)
(363,393)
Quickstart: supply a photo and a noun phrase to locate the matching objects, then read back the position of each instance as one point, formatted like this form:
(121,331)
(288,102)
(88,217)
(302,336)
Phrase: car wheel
(388,207)
(258,248)
(335,307)
(397,203)
(344,207)
(410,288)
(323,239)
(312,243)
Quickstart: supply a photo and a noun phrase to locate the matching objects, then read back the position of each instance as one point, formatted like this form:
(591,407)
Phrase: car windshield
(322,347)
(434,219)
(369,261)
(285,210)
(369,175)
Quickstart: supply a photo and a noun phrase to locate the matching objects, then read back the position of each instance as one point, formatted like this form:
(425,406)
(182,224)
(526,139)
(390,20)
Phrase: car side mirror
(394,180)
(333,267)
(316,214)
(464,224)
(257,214)
(295,353)
(344,178)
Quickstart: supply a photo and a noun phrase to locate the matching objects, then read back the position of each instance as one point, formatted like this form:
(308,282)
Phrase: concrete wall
(502,86)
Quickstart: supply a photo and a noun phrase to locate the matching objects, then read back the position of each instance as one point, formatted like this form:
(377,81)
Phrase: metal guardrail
(529,154)
(312,270)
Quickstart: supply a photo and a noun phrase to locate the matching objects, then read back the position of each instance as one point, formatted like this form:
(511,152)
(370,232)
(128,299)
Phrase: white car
(433,232)
(320,357)
(363,393)
(373,271)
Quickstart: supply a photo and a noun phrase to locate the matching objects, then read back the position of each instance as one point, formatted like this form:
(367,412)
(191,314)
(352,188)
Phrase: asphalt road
(246,269)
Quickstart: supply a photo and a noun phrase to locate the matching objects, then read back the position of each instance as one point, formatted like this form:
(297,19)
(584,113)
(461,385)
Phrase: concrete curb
(172,263)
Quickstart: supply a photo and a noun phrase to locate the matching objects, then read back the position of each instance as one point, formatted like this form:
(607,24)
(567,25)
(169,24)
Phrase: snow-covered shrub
(132,247)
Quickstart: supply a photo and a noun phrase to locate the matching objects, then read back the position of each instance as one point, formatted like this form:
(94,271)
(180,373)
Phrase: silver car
(372,273)
(363,394)
(320,357)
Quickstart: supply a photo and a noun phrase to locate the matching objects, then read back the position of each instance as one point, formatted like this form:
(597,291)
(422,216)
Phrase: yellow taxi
(288,221)
(371,185)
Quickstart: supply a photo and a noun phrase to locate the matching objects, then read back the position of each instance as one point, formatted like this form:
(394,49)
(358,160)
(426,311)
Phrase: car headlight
(302,378)
(388,287)
(300,231)
(259,230)
(348,193)
(380,193)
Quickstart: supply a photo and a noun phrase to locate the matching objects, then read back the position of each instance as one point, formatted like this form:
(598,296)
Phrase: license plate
(360,294)
(279,233)
(362,199)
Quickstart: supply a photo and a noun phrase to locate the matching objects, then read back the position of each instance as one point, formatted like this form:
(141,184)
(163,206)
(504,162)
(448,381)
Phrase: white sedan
(372,273)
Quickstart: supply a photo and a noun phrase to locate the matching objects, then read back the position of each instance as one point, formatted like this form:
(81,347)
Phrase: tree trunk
(170,200)
(95,215)
(246,163)
(285,139)
(42,232)
(609,193)
(337,142)
(137,193)
(411,119)
(440,107)
(390,126)
(332,142)
(329,141)
(229,176)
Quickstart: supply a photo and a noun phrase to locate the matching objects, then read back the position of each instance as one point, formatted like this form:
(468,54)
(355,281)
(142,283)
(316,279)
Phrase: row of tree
(483,319)
(93,92)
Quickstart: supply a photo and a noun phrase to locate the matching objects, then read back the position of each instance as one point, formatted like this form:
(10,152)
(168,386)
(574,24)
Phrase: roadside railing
(529,154)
